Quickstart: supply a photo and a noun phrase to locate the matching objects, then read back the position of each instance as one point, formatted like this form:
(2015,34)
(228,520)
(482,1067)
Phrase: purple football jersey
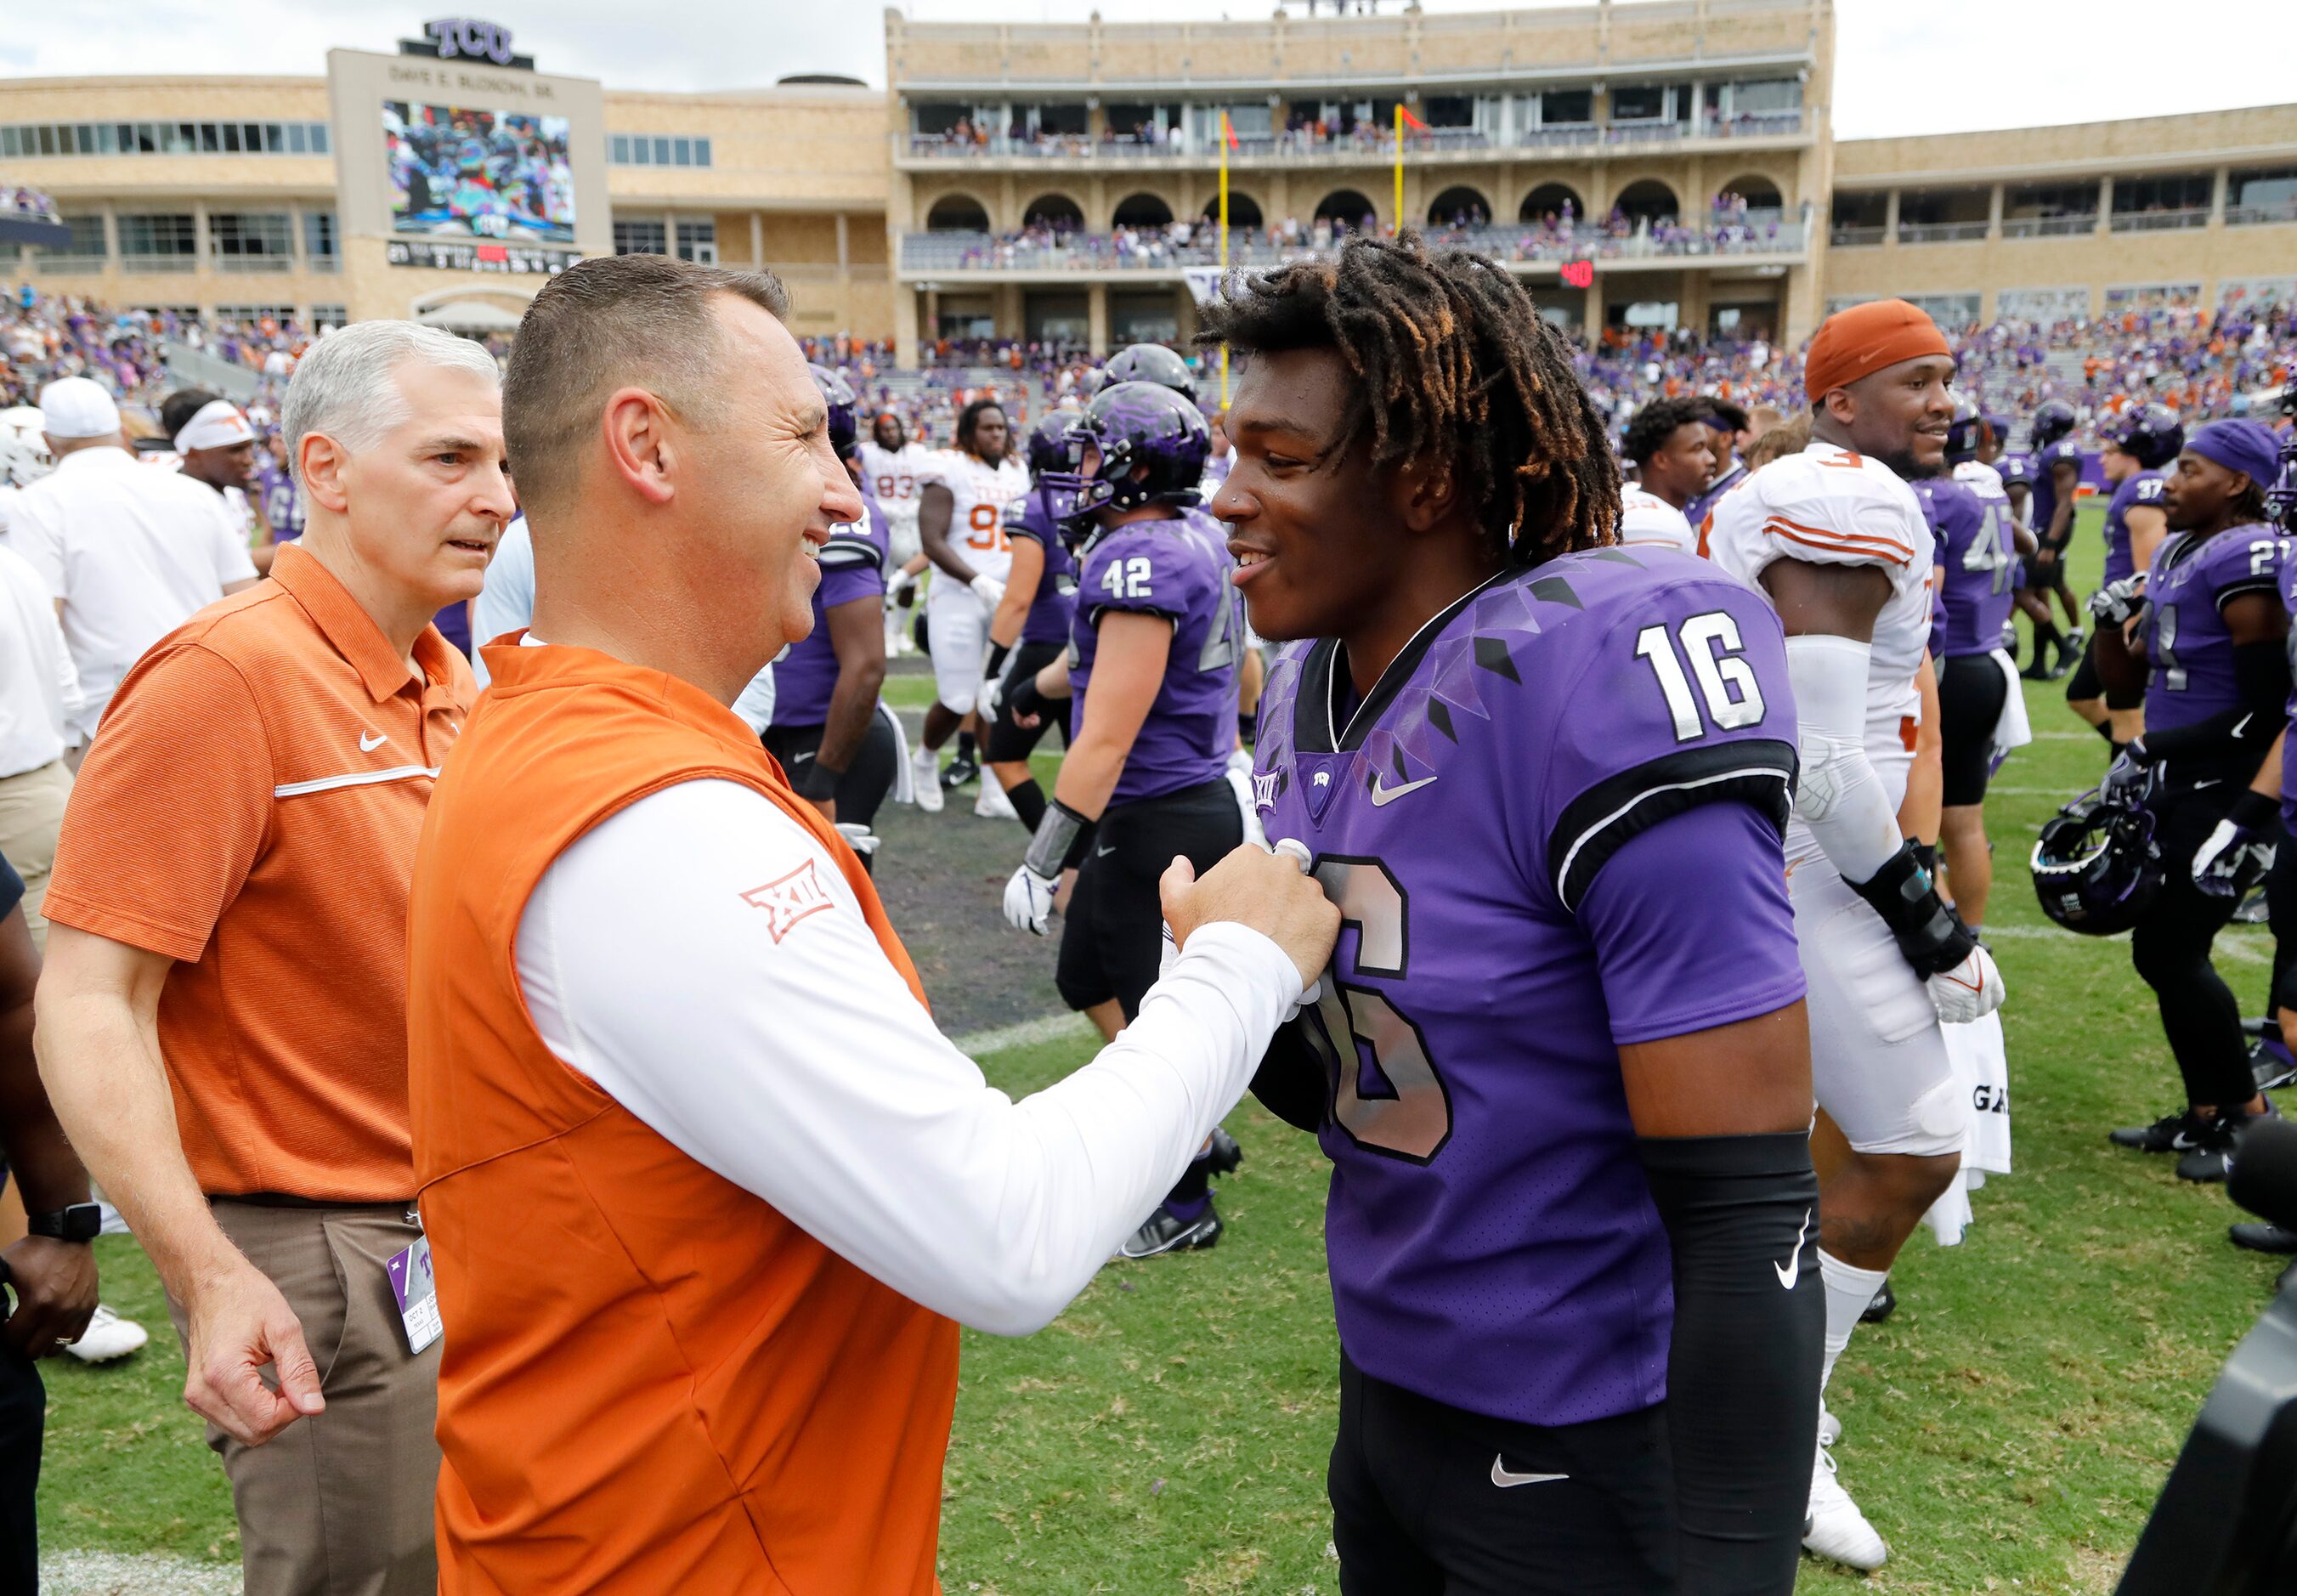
(274,492)
(1173,569)
(1608,717)
(1696,511)
(2045,481)
(1980,556)
(1050,612)
(2188,651)
(853,568)
(2143,491)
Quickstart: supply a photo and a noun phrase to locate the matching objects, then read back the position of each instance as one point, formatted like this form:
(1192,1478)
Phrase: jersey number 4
(1726,682)
(1405,1111)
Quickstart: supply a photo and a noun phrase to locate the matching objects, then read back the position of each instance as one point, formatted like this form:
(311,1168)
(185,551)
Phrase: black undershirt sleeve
(1291,1082)
(1741,1217)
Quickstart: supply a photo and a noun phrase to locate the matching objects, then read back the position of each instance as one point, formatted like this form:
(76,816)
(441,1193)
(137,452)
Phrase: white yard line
(1028,1033)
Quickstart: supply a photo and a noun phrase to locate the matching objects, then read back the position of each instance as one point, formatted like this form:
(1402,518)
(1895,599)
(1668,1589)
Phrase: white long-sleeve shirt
(700,958)
(39,690)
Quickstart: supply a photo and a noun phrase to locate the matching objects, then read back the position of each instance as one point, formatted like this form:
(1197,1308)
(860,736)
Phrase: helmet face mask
(1130,426)
(2096,865)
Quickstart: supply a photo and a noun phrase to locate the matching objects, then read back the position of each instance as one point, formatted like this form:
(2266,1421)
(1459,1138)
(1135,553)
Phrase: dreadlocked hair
(969,418)
(1456,372)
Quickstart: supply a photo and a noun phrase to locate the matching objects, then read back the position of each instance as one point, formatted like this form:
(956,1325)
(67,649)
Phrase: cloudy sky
(1941,66)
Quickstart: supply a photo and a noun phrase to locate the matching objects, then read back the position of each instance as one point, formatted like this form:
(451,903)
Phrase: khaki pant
(340,1504)
(31,810)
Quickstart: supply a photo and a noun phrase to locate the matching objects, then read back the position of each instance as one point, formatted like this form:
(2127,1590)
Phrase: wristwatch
(79,1222)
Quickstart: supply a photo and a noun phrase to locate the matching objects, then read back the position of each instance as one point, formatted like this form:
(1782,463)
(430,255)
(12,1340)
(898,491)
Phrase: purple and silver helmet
(1151,443)
(1148,363)
(2151,434)
(1048,446)
(1964,432)
(2281,498)
(837,393)
(2052,421)
(2096,865)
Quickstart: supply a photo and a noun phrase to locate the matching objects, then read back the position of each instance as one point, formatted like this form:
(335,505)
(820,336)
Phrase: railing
(2159,221)
(68,266)
(2260,216)
(924,253)
(254,263)
(157,264)
(1368,139)
(2048,226)
(1855,237)
(1940,232)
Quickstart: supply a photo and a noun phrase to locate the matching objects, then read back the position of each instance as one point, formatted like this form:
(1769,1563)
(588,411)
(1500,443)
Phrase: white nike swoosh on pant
(1505,1479)
(1793,1270)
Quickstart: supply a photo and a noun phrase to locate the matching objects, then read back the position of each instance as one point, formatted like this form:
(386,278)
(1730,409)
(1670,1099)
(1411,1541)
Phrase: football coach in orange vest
(706,1190)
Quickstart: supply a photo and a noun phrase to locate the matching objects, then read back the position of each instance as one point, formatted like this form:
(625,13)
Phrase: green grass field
(2007,1430)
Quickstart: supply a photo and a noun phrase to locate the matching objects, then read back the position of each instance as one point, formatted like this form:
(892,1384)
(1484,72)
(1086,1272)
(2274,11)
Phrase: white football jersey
(1829,506)
(891,475)
(1647,518)
(976,520)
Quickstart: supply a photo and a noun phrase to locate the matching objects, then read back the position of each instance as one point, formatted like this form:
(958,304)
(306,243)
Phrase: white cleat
(925,776)
(992,804)
(1830,1428)
(108,1336)
(1836,1529)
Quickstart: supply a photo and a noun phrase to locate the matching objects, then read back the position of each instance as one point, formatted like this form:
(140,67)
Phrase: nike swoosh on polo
(368,744)
(1382,797)
(1506,1478)
(1791,1271)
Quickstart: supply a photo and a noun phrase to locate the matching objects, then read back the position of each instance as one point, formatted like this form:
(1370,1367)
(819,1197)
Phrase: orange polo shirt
(250,808)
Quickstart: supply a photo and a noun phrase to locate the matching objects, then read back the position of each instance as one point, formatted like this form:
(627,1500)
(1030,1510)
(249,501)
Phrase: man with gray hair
(221,1023)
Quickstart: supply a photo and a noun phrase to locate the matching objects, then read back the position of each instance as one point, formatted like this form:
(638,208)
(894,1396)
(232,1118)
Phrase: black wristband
(2254,810)
(998,652)
(816,782)
(1025,700)
(1930,936)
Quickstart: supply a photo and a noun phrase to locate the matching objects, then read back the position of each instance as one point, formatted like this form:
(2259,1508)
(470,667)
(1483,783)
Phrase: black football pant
(2170,946)
(1113,932)
(23,1410)
(2281,908)
(1430,1500)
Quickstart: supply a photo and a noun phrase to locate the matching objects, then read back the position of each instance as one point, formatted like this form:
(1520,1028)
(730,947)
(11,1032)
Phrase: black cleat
(2262,1236)
(1225,1153)
(2171,1133)
(1885,1304)
(2270,1064)
(1166,1231)
(958,772)
(2212,1161)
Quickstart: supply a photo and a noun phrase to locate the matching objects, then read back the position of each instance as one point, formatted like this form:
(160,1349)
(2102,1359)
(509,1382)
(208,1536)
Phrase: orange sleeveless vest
(651,1381)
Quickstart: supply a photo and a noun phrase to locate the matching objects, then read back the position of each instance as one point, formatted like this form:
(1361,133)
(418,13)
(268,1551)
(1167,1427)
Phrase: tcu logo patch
(1265,786)
(789,898)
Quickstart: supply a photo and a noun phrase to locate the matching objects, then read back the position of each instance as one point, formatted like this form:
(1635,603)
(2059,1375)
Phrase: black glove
(1930,935)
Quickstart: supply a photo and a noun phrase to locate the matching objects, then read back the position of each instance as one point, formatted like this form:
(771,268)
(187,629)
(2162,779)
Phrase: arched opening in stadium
(1554,202)
(1243,210)
(1056,213)
(1754,194)
(1458,206)
(1650,202)
(1141,211)
(1347,208)
(957,213)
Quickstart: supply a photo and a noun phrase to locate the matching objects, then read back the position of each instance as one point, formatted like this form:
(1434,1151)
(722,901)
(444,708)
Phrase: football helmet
(1149,363)
(1964,432)
(2149,434)
(1048,446)
(837,393)
(1152,443)
(2051,421)
(24,457)
(2281,498)
(2096,865)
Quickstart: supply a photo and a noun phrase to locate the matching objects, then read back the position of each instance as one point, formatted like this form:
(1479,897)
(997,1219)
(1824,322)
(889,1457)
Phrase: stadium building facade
(1661,163)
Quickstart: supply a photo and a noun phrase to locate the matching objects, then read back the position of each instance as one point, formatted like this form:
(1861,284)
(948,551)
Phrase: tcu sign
(458,37)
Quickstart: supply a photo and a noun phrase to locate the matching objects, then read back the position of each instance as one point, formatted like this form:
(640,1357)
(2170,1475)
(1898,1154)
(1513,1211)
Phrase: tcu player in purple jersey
(839,750)
(1977,575)
(1571,1212)
(1030,629)
(2054,457)
(1151,677)
(2206,625)
(2138,443)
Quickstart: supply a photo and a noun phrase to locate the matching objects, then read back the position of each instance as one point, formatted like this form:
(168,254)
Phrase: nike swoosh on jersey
(1382,797)
(1791,1271)
(1507,1479)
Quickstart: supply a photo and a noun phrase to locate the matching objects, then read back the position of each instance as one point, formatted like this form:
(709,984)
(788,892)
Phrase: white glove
(904,591)
(1029,901)
(991,694)
(1971,990)
(2233,858)
(989,591)
(2115,602)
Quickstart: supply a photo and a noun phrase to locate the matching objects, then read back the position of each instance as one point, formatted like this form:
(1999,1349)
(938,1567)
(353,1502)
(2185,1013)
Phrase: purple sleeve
(1665,969)
(2244,559)
(843,584)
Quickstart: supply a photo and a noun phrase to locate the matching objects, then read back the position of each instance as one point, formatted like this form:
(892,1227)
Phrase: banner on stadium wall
(480,258)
